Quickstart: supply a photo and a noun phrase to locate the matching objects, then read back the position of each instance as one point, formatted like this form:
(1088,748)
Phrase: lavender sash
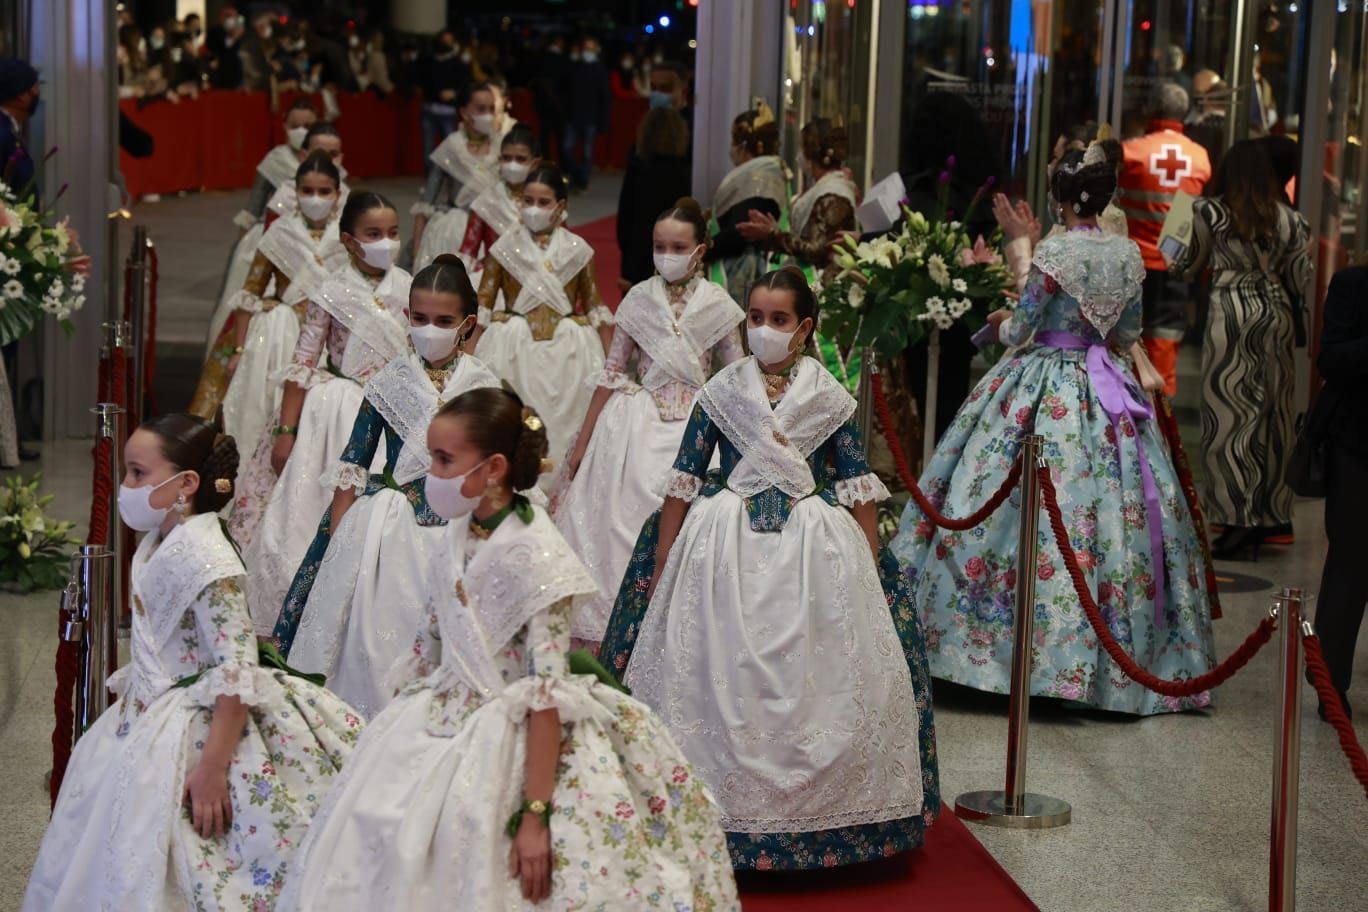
(1115,395)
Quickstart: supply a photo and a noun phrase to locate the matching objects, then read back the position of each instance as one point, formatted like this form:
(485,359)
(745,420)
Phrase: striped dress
(1247,372)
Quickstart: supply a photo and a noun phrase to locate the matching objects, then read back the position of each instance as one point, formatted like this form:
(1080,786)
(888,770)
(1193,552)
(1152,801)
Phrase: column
(72,45)
(738,60)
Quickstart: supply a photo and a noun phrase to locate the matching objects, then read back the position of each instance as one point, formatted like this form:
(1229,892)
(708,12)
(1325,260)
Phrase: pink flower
(764,862)
(8,220)
(829,860)
(1058,412)
(974,568)
(656,804)
(979,255)
(625,810)
(1045,572)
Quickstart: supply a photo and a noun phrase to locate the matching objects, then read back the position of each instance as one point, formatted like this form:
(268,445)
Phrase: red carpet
(951,872)
(601,235)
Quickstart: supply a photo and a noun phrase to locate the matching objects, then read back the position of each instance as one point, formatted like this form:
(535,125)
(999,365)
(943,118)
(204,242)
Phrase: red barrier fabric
(215,141)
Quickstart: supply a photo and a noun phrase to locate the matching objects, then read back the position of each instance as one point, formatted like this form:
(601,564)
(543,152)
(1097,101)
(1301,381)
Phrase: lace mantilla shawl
(474,174)
(677,347)
(279,165)
(373,316)
(402,393)
(496,208)
(168,577)
(1101,272)
(292,249)
(763,177)
(543,274)
(523,569)
(775,443)
(285,200)
(833,183)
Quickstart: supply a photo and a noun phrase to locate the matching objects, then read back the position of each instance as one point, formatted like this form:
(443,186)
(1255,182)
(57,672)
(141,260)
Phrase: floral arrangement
(42,269)
(35,551)
(892,292)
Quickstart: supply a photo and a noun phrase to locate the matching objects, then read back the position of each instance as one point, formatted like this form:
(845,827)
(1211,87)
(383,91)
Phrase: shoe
(1280,534)
(1238,543)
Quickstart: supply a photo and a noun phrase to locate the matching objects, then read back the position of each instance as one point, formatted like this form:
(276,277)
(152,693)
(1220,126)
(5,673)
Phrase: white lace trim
(1103,273)
(677,345)
(475,175)
(245,220)
(168,576)
(421,208)
(497,209)
(484,316)
(377,334)
(543,274)
(851,492)
(227,681)
(303,375)
(290,246)
(343,475)
(118,682)
(535,694)
(613,380)
(600,316)
(680,485)
(245,301)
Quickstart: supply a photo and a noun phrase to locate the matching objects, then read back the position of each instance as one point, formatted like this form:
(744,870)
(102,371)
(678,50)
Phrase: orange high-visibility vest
(1158,165)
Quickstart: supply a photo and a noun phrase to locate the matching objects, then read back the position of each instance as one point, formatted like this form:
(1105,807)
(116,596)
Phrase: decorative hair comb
(223,485)
(532,423)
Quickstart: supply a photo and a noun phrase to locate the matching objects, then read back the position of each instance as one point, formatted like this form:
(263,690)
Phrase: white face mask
(590,57)
(379,254)
(135,507)
(483,123)
(157,42)
(445,498)
(176,54)
(317,208)
(435,344)
(768,344)
(295,137)
(514,172)
(537,219)
(674,267)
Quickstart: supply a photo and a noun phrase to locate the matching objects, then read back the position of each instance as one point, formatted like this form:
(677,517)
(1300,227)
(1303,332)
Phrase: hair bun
(217,476)
(688,204)
(448,259)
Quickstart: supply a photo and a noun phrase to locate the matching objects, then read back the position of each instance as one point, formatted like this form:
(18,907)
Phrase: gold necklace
(775,385)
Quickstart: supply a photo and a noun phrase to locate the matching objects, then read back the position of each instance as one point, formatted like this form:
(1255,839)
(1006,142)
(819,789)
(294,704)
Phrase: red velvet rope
(110,387)
(885,416)
(1191,687)
(1334,710)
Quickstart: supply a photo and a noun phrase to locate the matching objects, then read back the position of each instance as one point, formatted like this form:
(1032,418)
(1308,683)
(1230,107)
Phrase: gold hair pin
(223,485)
(533,423)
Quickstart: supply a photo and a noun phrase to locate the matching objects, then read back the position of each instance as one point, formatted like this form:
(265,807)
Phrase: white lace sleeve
(225,644)
(600,315)
(548,684)
(484,316)
(344,475)
(681,486)
(244,220)
(613,380)
(862,489)
(303,375)
(422,208)
(245,301)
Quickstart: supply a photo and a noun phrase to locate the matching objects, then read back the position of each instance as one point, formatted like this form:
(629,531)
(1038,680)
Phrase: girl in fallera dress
(1127,518)
(758,181)
(356,318)
(548,335)
(759,618)
(270,305)
(497,210)
(669,326)
(220,363)
(359,593)
(467,165)
(497,779)
(195,789)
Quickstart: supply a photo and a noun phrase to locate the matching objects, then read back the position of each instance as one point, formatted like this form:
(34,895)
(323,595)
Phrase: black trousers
(952,380)
(1344,582)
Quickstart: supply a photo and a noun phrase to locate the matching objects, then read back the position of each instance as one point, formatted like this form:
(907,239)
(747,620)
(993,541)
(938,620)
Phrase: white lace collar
(521,570)
(474,173)
(290,244)
(497,208)
(775,442)
(763,176)
(169,574)
(677,346)
(1102,272)
(279,166)
(404,396)
(833,183)
(542,273)
(374,316)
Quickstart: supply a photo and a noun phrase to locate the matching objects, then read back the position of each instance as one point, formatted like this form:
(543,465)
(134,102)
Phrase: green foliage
(35,551)
(36,274)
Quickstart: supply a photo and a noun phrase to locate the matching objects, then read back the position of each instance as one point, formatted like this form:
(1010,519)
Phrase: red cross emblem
(1170,165)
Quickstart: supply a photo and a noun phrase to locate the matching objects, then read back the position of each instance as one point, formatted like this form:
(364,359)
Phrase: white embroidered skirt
(774,661)
(239,264)
(253,395)
(615,491)
(444,233)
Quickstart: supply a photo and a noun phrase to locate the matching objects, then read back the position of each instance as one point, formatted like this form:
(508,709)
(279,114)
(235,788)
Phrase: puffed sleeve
(226,649)
(1038,290)
(260,195)
(313,336)
(352,470)
(855,483)
(491,280)
(547,666)
(685,479)
(616,366)
(586,296)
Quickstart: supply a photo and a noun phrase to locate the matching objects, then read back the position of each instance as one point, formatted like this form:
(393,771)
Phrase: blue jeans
(436,127)
(579,137)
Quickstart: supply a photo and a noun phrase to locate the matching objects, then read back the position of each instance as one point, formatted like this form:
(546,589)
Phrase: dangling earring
(181,506)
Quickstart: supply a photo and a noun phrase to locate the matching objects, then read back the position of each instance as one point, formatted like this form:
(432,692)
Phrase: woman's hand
(280,452)
(530,858)
(1016,221)
(572,462)
(758,226)
(998,317)
(206,791)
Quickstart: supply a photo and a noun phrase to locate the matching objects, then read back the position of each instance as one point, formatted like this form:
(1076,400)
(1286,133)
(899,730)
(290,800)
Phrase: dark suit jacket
(1343,358)
(16,165)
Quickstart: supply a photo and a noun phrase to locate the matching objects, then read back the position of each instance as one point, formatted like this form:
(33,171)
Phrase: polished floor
(1169,814)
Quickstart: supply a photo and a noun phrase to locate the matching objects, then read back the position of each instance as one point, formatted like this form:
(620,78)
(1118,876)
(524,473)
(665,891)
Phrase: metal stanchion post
(109,413)
(97,634)
(1282,855)
(138,265)
(865,396)
(1013,806)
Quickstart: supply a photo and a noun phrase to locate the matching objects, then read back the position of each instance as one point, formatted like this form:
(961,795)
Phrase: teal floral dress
(840,470)
(1122,502)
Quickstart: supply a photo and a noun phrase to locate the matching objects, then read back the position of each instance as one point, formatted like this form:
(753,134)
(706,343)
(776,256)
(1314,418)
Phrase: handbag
(1306,471)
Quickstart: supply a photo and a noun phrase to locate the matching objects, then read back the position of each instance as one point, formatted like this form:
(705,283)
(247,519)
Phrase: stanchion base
(1036,812)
